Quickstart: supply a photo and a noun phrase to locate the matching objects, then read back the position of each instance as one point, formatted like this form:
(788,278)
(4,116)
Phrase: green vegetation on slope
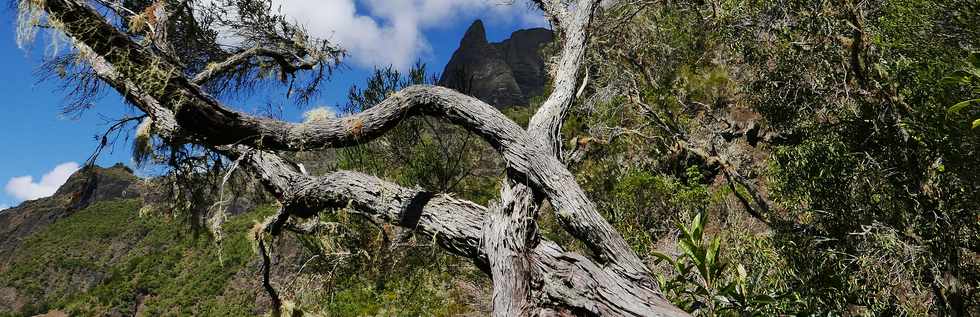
(835,113)
(107,259)
(128,263)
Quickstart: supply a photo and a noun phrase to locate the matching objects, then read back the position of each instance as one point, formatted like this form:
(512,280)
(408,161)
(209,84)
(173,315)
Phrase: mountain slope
(87,250)
(109,259)
(16,223)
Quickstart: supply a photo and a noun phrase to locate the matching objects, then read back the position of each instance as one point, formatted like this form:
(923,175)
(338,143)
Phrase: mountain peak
(475,34)
(502,74)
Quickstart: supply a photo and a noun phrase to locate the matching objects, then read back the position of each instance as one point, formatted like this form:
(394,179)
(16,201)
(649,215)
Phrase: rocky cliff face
(502,74)
(84,187)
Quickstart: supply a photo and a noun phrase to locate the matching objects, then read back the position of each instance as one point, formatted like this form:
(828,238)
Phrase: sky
(40,148)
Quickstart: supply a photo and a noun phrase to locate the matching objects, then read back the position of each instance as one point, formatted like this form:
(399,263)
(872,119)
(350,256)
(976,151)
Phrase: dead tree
(531,275)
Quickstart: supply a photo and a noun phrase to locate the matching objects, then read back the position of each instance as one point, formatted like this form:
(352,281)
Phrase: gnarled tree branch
(546,122)
(526,271)
(288,63)
(559,278)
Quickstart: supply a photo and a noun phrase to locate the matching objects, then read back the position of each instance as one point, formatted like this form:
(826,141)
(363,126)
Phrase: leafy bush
(703,283)
(968,76)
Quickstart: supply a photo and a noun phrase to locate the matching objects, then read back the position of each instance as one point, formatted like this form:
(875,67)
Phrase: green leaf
(687,233)
(664,257)
(764,299)
(698,227)
(973,71)
(974,59)
(976,123)
(712,251)
(956,77)
(961,105)
(688,250)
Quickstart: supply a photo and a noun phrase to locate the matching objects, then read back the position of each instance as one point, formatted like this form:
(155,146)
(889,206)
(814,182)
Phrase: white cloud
(24,187)
(383,32)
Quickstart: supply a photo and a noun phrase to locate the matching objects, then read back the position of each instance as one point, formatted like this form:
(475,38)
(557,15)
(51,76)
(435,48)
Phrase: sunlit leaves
(967,76)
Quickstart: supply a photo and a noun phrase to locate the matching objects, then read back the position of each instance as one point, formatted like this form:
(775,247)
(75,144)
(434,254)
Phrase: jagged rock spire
(502,74)
(475,35)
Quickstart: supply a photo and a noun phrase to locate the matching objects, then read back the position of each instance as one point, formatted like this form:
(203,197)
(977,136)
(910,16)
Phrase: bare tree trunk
(510,234)
(531,275)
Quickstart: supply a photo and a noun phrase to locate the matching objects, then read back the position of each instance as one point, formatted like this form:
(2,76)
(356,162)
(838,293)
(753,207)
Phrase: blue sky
(37,140)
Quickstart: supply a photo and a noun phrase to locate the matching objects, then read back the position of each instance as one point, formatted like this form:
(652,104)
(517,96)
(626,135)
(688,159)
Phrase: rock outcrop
(502,74)
(82,188)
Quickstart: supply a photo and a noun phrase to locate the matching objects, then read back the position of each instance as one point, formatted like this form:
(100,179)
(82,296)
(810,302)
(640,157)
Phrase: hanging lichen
(142,143)
(29,13)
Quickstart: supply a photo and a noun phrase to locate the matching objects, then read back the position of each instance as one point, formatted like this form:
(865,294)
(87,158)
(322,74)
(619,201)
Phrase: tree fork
(531,275)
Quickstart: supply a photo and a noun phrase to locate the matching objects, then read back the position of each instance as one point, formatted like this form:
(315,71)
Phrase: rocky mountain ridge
(508,73)
(86,186)
(88,250)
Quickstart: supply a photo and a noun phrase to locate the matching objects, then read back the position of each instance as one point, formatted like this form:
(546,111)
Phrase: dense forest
(758,157)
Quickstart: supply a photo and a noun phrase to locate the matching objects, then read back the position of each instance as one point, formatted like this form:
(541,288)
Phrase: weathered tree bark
(531,275)
(510,233)
(556,279)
